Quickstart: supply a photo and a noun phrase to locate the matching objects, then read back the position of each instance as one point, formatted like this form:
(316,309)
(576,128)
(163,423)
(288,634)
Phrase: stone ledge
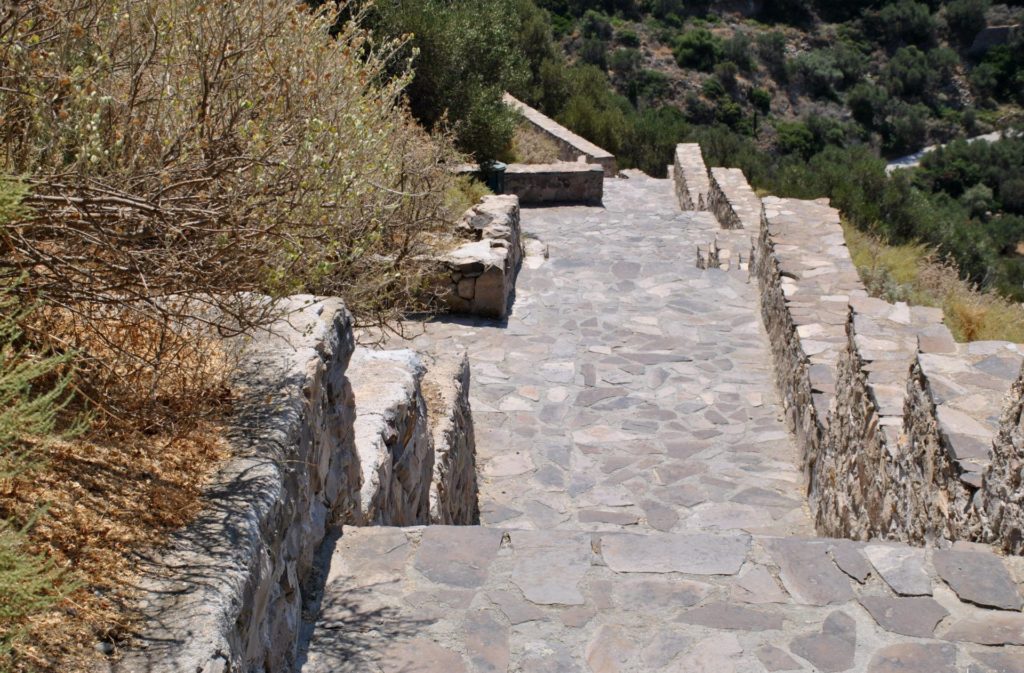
(570,145)
(553,184)
(225,593)
(453,489)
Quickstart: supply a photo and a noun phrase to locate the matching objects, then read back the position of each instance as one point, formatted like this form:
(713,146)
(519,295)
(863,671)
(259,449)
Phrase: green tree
(466,56)
(966,18)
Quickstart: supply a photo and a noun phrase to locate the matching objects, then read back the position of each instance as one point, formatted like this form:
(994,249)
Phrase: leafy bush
(594,52)
(905,22)
(795,138)
(738,50)
(761,99)
(627,38)
(698,49)
(817,72)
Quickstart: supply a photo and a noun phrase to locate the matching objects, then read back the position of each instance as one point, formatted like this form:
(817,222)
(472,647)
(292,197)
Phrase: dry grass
(530,146)
(915,274)
(104,500)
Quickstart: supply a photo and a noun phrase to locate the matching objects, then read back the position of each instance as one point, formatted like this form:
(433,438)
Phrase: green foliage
(29,585)
(904,22)
(594,110)
(627,38)
(761,99)
(33,394)
(908,74)
(795,138)
(866,102)
(466,58)
(966,18)
(738,49)
(652,141)
(594,52)
(817,72)
(1001,74)
(698,49)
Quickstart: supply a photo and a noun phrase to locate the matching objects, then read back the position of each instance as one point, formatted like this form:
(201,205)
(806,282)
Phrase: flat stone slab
(978,578)
(916,616)
(694,554)
(902,568)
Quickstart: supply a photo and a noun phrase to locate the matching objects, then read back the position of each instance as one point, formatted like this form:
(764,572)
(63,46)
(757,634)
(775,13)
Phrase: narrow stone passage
(629,388)
(642,507)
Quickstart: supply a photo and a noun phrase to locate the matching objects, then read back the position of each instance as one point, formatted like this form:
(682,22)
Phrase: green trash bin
(494,176)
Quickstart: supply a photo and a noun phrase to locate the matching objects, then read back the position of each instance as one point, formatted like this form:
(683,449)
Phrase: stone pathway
(641,500)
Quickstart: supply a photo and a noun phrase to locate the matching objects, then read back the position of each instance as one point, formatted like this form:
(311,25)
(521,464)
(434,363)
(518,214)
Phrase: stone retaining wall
(899,426)
(479,277)
(552,184)
(391,438)
(731,199)
(570,146)
(225,595)
(1001,502)
(327,433)
(690,175)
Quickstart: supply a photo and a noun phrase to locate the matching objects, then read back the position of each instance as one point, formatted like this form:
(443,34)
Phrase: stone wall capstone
(570,145)
(731,199)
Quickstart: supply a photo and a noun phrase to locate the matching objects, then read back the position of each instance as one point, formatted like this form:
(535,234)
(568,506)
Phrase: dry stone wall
(453,491)
(571,146)
(225,595)
(732,200)
(327,433)
(903,431)
(479,276)
(691,177)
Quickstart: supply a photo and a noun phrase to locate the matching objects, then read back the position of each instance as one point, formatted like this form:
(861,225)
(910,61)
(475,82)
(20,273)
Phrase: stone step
(451,599)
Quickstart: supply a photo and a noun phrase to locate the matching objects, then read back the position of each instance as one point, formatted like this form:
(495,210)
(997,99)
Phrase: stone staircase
(641,500)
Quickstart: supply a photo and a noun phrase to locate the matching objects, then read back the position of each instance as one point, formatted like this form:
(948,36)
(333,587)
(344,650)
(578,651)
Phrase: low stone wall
(479,277)
(570,146)
(899,426)
(552,184)
(690,175)
(731,199)
(1000,503)
(391,438)
(453,491)
(225,594)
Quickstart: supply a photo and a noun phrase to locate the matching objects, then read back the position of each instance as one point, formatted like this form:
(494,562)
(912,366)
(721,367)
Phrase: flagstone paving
(642,507)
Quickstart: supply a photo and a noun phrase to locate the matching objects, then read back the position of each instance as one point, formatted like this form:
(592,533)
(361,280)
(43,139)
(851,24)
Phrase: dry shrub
(531,146)
(182,160)
(185,156)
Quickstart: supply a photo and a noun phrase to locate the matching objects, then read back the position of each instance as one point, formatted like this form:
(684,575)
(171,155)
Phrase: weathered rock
(902,568)
(457,556)
(808,572)
(725,616)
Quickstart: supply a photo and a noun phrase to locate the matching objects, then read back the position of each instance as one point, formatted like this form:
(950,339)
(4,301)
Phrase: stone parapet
(1000,503)
(570,145)
(479,276)
(690,176)
(225,593)
(906,435)
(552,184)
(732,200)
